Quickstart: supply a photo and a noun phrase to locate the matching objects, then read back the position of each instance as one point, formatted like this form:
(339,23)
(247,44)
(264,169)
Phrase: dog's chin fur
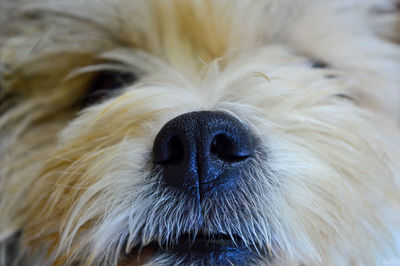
(77,183)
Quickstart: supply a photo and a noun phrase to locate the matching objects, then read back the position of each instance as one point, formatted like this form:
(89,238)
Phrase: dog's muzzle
(205,168)
(202,152)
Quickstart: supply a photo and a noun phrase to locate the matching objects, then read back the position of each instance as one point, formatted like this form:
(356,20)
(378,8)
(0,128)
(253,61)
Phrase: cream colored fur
(73,181)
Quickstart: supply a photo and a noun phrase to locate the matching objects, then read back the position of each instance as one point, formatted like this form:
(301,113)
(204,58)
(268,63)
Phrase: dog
(199,132)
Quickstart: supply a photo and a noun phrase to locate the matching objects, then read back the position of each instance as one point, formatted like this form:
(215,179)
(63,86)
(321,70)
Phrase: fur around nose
(203,151)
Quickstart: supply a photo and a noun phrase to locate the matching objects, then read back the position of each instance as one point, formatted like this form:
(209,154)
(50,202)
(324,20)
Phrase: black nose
(202,151)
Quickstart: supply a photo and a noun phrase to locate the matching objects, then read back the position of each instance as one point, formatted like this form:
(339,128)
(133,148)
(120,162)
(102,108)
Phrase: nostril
(168,150)
(229,150)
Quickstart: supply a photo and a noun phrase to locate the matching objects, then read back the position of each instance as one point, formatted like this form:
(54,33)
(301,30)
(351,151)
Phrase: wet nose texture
(200,152)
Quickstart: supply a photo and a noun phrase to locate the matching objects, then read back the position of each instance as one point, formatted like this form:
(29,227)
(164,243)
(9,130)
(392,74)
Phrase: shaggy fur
(318,82)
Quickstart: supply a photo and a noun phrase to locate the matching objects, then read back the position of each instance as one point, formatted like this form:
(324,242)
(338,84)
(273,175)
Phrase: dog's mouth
(200,244)
(204,243)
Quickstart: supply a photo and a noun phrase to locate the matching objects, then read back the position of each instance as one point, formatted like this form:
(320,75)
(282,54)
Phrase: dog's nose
(202,151)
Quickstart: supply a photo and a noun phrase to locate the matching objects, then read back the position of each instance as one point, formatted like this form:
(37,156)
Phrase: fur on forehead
(187,34)
(62,36)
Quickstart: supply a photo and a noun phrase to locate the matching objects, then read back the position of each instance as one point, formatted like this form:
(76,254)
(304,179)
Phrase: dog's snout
(200,151)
